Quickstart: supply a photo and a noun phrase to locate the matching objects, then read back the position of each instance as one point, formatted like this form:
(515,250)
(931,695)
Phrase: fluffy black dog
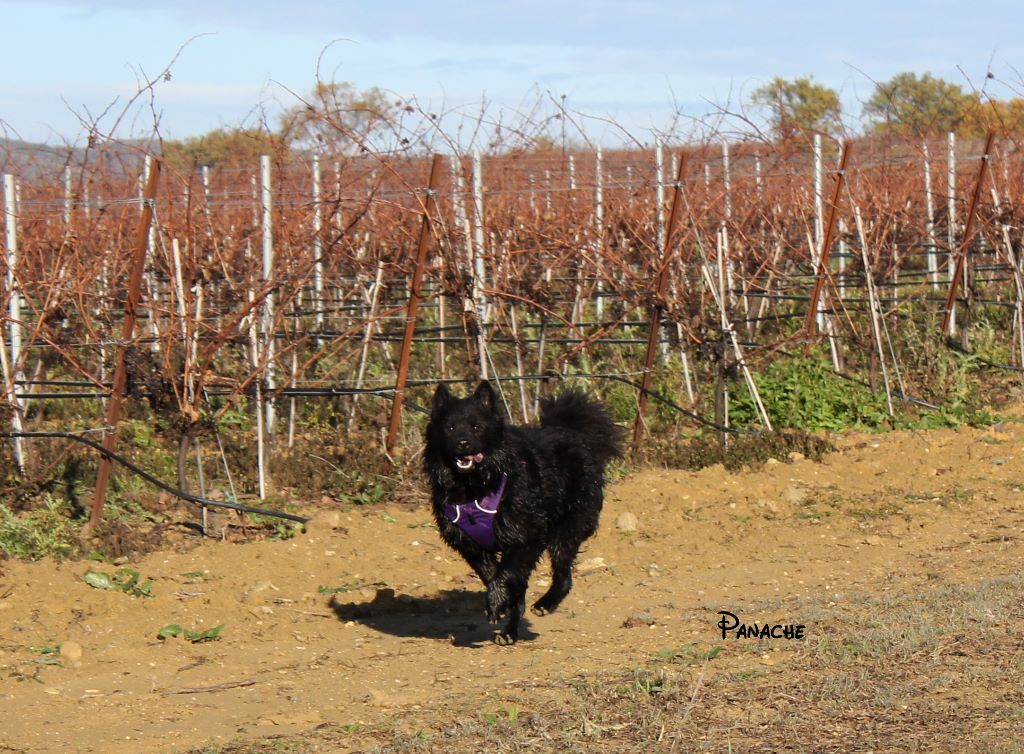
(504,494)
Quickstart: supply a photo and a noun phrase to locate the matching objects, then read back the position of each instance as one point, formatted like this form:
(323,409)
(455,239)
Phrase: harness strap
(476,518)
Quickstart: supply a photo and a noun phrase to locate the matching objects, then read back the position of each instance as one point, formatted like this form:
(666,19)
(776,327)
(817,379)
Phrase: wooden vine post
(127,335)
(810,324)
(969,231)
(415,296)
(654,328)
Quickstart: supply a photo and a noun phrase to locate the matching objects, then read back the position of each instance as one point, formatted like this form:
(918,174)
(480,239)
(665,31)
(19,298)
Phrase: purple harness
(476,518)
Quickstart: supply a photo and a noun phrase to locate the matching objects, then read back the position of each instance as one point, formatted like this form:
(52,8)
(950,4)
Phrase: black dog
(504,494)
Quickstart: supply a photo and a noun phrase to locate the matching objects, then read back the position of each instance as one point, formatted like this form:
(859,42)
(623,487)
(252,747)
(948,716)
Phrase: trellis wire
(756,261)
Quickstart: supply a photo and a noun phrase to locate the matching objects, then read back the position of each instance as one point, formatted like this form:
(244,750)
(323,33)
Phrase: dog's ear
(485,395)
(442,396)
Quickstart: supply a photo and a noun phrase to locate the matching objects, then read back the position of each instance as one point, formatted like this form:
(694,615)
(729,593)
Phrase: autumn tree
(1003,116)
(336,116)
(799,107)
(223,147)
(911,104)
(333,117)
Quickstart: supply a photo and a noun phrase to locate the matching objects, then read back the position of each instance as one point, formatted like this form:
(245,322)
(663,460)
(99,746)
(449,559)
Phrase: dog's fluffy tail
(574,410)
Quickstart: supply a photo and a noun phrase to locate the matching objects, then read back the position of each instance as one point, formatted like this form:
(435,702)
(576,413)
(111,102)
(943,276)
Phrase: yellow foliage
(1001,116)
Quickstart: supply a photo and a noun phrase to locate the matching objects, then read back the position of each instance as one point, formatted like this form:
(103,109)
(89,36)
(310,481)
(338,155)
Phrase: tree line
(333,118)
(908,104)
(338,118)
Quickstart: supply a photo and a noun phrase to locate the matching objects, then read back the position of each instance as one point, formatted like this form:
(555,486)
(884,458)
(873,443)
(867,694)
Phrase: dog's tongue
(466,462)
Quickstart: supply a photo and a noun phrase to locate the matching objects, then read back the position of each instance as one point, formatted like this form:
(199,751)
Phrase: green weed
(509,714)
(687,655)
(47,531)
(196,637)
(124,580)
(806,393)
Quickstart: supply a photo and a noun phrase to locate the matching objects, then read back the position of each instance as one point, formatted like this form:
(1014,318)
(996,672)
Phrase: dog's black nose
(462,445)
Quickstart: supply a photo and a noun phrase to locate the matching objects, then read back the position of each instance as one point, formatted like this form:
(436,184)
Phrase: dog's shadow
(453,614)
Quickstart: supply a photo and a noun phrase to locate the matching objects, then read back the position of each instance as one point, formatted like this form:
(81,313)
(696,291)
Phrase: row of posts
(263,346)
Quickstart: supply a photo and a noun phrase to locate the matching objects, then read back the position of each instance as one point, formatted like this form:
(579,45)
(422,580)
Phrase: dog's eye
(451,427)
(476,427)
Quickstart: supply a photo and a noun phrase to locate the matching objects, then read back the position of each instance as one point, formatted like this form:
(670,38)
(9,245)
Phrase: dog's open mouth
(466,462)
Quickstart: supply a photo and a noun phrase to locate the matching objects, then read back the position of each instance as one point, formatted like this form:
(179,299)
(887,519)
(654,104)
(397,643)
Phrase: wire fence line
(292,279)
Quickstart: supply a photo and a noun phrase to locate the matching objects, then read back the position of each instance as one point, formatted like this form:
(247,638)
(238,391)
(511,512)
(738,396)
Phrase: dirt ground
(402,640)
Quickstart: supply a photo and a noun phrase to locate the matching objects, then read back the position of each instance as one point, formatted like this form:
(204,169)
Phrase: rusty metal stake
(965,243)
(429,210)
(127,335)
(826,245)
(659,302)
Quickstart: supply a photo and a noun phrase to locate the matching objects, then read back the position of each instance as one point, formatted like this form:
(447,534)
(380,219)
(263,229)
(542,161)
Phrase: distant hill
(32,160)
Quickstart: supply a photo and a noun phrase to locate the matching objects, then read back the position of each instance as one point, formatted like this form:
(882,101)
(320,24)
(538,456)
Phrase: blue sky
(635,62)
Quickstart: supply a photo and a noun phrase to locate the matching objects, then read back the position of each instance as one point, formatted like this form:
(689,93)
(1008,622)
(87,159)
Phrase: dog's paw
(505,638)
(545,606)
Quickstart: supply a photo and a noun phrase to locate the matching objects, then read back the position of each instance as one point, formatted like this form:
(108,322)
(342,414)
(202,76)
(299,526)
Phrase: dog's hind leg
(562,557)
(563,550)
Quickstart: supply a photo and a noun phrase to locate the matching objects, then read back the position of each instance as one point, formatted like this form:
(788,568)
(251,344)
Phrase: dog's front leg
(484,563)
(506,593)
